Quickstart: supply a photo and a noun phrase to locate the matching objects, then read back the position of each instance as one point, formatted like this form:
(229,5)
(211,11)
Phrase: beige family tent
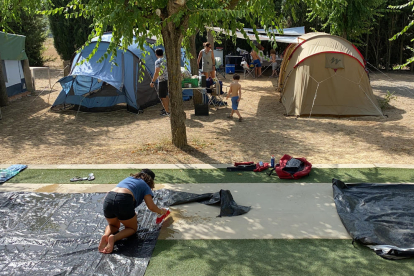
(325,74)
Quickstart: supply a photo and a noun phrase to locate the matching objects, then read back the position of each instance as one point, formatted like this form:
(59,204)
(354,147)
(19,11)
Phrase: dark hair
(147,175)
(159,52)
(236,77)
(272,51)
(206,44)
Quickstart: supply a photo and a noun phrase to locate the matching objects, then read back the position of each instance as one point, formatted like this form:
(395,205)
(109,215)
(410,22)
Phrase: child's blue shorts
(257,63)
(234,102)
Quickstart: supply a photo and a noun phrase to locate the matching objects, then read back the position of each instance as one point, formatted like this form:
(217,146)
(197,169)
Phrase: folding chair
(220,69)
(248,69)
(216,97)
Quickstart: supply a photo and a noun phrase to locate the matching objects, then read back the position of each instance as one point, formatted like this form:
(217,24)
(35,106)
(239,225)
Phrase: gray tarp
(58,234)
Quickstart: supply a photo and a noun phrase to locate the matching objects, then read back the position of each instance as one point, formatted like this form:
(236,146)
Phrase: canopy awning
(290,35)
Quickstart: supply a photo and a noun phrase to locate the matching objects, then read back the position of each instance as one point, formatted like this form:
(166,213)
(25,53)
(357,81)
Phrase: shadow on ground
(123,137)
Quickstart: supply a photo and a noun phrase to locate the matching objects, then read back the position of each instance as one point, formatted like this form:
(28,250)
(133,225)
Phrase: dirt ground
(30,134)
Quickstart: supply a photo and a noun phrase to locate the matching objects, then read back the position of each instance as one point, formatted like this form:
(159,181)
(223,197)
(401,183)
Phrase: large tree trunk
(4,99)
(197,97)
(412,63)
(390,33)
(210,38)
(193,52)
(388,64)
(376,49)
(401,49)
(172,35)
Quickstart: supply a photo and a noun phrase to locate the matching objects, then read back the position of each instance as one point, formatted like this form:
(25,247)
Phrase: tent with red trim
(325,75)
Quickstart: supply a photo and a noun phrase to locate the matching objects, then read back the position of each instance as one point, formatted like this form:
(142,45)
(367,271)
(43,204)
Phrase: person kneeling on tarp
(119,207)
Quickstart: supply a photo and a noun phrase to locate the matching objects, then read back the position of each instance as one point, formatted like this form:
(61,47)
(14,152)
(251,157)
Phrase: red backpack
(292,168)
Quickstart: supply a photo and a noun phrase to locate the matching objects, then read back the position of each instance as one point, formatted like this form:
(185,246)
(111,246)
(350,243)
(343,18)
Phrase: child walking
(235,94)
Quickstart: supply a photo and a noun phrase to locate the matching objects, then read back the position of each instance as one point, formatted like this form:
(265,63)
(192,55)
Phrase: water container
(272,161)
(230,68)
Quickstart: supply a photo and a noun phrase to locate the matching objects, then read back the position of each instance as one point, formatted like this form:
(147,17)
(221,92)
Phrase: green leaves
(347,18)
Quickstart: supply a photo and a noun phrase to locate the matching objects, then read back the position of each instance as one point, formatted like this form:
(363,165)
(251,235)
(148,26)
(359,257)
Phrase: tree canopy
(175,21)
(409,4)
(346,18)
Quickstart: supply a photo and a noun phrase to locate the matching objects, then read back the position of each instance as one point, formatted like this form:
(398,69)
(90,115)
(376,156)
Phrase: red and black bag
(292,168)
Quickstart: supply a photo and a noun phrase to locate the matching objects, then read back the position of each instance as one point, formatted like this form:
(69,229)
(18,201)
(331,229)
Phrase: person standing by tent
(256,62)
(209,62)
(119,207)
(274,62)
(162,75)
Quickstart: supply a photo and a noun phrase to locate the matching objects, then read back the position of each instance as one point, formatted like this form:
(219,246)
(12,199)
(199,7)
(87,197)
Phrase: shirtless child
(256,61)
(235,94)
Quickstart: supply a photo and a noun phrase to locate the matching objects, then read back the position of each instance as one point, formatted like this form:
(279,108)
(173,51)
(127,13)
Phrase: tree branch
(232,5)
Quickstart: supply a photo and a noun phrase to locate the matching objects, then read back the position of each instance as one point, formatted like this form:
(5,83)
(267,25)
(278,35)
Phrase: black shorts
(163,89)
(119,205)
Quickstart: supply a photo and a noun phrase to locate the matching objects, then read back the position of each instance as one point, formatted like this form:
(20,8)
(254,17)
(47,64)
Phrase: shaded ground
(32,135)
(270,257)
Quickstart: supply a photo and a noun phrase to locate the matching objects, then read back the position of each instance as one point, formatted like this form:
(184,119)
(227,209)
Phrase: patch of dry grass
(51,56)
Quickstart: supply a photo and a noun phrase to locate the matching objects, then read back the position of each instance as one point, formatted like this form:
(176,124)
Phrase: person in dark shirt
(119,207)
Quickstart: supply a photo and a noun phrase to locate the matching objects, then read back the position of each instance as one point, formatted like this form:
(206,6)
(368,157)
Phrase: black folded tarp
(228,207)
(58,234)
(380,216)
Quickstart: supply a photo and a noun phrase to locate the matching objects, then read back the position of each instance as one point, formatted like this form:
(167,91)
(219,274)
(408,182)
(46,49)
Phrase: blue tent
(93,84)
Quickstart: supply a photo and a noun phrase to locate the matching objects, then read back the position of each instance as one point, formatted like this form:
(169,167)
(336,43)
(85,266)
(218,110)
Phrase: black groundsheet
(380,216)
(58,234)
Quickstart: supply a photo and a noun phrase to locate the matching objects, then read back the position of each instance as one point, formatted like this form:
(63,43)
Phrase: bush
(385,102)
(69,34)
(34,28)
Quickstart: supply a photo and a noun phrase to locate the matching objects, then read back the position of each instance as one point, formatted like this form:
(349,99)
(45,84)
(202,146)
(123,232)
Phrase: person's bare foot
(110,246)
(103,243)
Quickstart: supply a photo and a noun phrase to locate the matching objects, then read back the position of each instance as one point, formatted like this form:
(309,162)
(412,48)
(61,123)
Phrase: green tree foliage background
(69,34)
(34,28)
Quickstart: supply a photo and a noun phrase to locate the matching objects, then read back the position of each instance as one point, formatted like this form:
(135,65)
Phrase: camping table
(33,69)
(268,64)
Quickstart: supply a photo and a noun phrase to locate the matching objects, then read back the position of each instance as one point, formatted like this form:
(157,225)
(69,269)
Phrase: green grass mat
(372,175)
(270,257)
